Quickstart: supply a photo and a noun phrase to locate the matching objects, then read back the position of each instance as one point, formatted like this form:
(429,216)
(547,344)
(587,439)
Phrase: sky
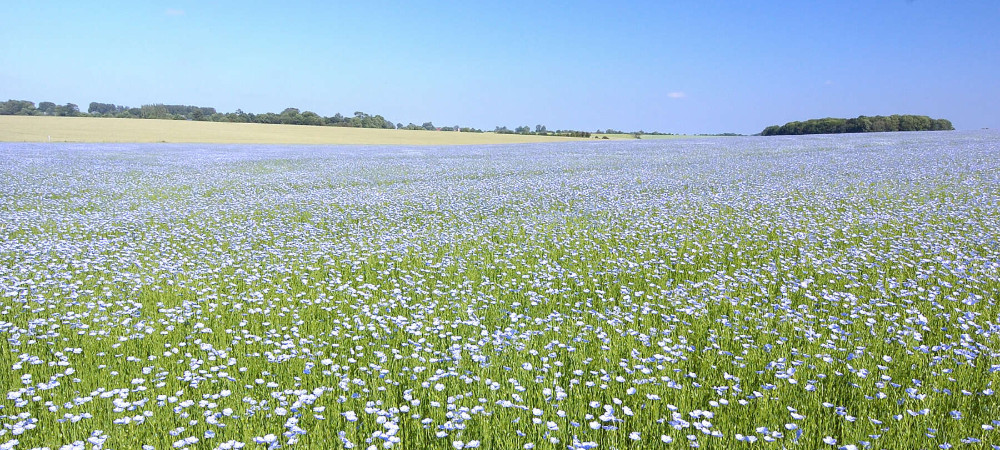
(680,67)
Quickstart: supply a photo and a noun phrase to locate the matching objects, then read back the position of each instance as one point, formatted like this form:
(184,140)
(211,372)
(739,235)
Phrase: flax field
(813,292)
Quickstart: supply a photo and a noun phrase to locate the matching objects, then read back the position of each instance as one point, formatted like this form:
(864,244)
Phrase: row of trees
(200,113)
(540,130)
(290,116)
(26,108)
(430,127)
(860,124)
(156,111)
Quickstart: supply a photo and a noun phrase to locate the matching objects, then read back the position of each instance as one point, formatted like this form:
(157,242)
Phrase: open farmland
(106,130)
(799,292)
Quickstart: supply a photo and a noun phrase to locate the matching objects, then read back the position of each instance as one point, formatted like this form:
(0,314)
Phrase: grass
(102,130)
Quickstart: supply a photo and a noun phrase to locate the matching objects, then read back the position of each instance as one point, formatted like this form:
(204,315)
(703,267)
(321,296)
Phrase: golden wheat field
(91,129)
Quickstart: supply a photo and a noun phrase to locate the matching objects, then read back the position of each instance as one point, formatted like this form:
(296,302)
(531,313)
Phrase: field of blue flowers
(788,292)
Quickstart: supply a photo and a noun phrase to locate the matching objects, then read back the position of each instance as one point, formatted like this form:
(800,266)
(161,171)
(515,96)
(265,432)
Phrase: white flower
(268,439)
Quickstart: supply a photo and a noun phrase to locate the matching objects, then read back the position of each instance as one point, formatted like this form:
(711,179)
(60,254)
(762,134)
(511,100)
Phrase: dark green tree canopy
(860,124)
(47,108)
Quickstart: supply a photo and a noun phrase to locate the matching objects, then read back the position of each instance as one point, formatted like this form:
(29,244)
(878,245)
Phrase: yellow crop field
(91,129)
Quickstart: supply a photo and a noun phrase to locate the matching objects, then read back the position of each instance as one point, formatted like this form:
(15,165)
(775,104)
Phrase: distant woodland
(860,124)
(290,116)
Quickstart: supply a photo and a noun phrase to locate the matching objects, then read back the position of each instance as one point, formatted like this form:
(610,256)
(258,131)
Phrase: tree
(941,124)
(18,107)
(381,122)
(100,108)
(157,111)
(68,109)
(861,124)
(428,126)
(540,129)
(310,118)
(47,108)
(290,116)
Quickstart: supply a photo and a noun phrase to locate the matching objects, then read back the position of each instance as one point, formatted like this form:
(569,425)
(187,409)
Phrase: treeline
(429,126)
(540,130)
(26,108)
(290,116)
(860,124)
(640,132)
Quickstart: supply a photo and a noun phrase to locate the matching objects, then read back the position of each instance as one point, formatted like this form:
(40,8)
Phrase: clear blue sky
(692,67)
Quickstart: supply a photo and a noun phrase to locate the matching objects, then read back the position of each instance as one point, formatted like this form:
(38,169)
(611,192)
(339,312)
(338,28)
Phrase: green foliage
(154,112)
(69,109)
(17,107)
(47,108)
(539,130)
(106,109)
(572,133)
(860,124)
